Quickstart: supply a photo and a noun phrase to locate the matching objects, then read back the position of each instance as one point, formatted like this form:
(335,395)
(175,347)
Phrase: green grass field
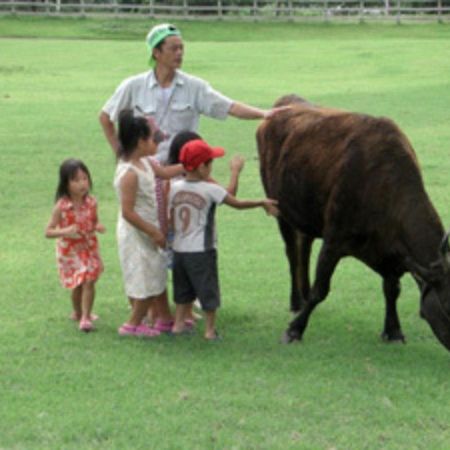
(341,388)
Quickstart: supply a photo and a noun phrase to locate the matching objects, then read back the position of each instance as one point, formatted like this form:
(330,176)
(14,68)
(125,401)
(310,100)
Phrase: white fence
(281,10)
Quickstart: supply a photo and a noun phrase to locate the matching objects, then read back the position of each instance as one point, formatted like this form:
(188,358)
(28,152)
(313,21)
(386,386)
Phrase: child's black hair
(67,172)
(131,129)
(178,141)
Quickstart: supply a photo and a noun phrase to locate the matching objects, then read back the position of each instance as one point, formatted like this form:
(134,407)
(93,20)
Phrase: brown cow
(354,181)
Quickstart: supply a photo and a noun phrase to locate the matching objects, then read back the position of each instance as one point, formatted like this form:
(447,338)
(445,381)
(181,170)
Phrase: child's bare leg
(191,314)
(161,310)
(140,308)
(152,314)
(180,316)
(76,302)
(87,299)
(210,324)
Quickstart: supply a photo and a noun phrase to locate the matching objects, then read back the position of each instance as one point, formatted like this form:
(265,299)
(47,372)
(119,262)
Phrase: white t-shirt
(192,205)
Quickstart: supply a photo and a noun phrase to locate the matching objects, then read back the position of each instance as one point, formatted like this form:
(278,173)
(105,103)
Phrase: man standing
(172,100)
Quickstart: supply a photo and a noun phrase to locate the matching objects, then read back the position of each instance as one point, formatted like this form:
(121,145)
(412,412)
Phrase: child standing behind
(139,237)
(192,203)
(236,166)
(74,222)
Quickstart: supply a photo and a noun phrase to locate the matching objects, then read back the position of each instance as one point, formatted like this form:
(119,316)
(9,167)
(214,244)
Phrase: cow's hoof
(393,338)
(290,336)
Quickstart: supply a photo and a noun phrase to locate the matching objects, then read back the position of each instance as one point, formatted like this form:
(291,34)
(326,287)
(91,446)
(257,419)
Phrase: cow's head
(435,298)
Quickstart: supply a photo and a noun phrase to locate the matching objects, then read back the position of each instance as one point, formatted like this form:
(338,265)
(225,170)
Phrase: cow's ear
(436,273)
(429,275)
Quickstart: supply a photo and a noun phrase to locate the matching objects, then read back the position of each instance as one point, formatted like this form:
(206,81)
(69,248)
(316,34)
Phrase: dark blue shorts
(195,276)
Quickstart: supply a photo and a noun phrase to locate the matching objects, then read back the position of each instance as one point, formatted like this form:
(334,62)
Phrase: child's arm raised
(236,165)
(128,187)
(54,231)
(269,205)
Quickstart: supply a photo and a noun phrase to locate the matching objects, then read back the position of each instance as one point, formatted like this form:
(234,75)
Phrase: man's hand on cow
(270,206)
(272,112)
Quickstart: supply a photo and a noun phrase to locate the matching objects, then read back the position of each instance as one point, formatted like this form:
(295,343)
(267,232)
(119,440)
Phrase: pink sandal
(166,327)
(86,325)
(163,327)
(138,331)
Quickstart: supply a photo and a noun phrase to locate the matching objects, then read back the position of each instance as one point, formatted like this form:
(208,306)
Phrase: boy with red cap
(192,204)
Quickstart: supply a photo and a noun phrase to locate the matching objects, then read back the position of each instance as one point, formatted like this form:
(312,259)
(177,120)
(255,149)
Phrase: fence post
(398,12)
(361,11)
(219,9)
(255,8)
(439,5)
(151,9)
(185,9)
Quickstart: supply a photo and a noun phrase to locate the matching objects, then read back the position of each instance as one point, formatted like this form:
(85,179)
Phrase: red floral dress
(78,258)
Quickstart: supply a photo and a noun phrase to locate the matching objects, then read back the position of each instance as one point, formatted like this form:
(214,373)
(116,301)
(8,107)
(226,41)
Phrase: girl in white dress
(140,240)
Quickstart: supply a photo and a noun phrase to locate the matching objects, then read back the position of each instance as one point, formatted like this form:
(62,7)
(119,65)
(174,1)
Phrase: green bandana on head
(157,34)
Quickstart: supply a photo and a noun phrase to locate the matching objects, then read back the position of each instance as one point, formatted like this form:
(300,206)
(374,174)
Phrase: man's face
(171,52)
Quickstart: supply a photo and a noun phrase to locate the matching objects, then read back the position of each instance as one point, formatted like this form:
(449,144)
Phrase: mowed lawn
(341,388)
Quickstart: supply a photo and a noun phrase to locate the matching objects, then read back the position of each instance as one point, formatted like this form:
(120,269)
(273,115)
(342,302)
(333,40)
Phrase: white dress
(143,263)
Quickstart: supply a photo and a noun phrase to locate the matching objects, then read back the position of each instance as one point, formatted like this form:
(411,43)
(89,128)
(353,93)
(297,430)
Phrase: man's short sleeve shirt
(190,97)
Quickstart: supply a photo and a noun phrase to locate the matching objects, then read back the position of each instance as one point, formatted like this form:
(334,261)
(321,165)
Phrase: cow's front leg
(326,264)
(392,331)
(298,251)
(304,245)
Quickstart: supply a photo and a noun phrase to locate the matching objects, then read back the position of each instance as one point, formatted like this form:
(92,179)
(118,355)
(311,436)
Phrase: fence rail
(281,10)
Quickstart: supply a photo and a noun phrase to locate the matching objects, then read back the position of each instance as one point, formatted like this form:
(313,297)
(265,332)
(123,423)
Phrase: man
(172,100)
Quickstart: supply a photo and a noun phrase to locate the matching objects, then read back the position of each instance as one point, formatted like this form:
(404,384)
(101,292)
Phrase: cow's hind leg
(326,264)
(298,251)
(392,331)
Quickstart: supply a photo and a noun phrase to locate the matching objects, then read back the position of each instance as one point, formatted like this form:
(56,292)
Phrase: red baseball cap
(196,152)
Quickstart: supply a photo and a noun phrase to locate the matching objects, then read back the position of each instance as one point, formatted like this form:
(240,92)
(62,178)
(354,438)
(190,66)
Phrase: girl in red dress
(74,222)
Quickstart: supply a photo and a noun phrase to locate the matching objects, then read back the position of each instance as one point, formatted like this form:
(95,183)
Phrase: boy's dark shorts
(195,276)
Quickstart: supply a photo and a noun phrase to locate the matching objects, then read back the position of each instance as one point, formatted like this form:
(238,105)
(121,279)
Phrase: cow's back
(333,170)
